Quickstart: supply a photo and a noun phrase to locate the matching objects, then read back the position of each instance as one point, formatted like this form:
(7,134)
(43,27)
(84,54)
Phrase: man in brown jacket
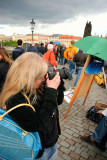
(79,59)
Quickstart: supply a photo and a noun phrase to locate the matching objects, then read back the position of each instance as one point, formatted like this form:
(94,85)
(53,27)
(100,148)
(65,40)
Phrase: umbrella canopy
(95,46)
(57,43)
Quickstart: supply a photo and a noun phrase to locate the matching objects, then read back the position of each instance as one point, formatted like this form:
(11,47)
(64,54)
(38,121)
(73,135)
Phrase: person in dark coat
(18,50)
(62,58)
(60,52)
(32,48)
(5,63)
(27,74)
(79,59)
(41,49)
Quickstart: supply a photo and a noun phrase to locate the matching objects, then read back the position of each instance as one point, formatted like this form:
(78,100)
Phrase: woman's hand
(53,83)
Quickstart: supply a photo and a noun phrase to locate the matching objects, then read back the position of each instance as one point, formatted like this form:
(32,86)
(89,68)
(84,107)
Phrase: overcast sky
(53,16)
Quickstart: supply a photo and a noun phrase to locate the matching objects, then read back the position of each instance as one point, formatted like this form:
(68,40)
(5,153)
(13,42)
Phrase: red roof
(69,37)
(65,37)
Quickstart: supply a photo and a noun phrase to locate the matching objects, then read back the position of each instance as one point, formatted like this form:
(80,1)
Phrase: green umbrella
(95,46)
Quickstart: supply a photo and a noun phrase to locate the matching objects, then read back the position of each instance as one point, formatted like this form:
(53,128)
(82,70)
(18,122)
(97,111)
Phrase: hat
(50,46)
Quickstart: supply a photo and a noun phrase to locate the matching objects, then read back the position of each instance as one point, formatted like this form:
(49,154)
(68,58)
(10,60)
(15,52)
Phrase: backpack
(46,57)
(99,79)
(94,114)
(70,55)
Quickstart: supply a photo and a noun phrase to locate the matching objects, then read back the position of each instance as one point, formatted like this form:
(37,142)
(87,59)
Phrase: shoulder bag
(16,143)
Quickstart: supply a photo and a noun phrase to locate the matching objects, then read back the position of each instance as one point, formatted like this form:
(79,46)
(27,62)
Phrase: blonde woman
(5,63)
(25,75)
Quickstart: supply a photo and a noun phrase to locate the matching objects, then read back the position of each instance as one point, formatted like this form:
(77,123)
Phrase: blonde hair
(21,76)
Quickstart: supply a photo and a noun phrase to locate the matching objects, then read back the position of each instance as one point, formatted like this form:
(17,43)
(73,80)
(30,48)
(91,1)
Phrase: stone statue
(88,28)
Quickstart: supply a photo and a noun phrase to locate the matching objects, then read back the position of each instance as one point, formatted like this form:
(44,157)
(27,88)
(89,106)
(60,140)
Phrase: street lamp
(32,23)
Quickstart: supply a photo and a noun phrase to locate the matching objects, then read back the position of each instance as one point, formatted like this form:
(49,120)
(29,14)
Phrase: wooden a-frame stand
(83,86)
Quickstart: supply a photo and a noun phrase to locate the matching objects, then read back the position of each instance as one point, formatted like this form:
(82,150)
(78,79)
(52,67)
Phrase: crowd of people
(27,73)
(53,55)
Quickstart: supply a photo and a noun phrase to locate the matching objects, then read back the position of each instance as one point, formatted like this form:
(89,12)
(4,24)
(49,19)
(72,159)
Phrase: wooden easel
(83,86)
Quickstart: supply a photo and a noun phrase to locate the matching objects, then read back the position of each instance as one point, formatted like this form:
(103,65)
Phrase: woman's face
(38,82)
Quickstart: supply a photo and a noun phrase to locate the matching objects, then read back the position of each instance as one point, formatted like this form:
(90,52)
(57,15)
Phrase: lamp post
(32,23)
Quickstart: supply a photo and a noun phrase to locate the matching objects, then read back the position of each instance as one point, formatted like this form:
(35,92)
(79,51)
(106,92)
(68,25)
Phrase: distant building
(54,37)
(41,38)
(4,38)
(66,39)
(15,37)
(37,38)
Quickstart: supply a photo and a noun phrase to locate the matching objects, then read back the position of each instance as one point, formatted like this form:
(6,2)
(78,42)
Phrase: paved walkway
(70,147)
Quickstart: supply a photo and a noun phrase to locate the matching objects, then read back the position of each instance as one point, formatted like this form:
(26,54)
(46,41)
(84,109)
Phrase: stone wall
(9,49)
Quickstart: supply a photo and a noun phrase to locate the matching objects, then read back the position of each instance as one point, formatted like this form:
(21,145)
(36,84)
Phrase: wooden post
(74,96)
(88,90)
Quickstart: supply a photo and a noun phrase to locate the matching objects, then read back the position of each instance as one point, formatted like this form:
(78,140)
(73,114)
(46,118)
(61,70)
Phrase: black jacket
(45,120)
(17,52)
(62,52)
(4,67)
(53,130)
(28,119)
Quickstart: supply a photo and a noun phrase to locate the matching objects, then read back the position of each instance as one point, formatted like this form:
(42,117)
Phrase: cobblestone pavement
(70,147)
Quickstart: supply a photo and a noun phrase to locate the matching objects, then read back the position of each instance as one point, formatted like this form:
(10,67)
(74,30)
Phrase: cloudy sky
(53,16)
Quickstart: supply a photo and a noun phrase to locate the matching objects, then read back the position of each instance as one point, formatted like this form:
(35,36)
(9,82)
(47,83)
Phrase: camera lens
(64,73)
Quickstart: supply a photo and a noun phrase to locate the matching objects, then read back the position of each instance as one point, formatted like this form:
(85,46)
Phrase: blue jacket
(32,49)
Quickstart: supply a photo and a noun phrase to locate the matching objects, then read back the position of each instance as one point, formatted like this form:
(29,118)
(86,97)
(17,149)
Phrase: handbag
(16,143)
